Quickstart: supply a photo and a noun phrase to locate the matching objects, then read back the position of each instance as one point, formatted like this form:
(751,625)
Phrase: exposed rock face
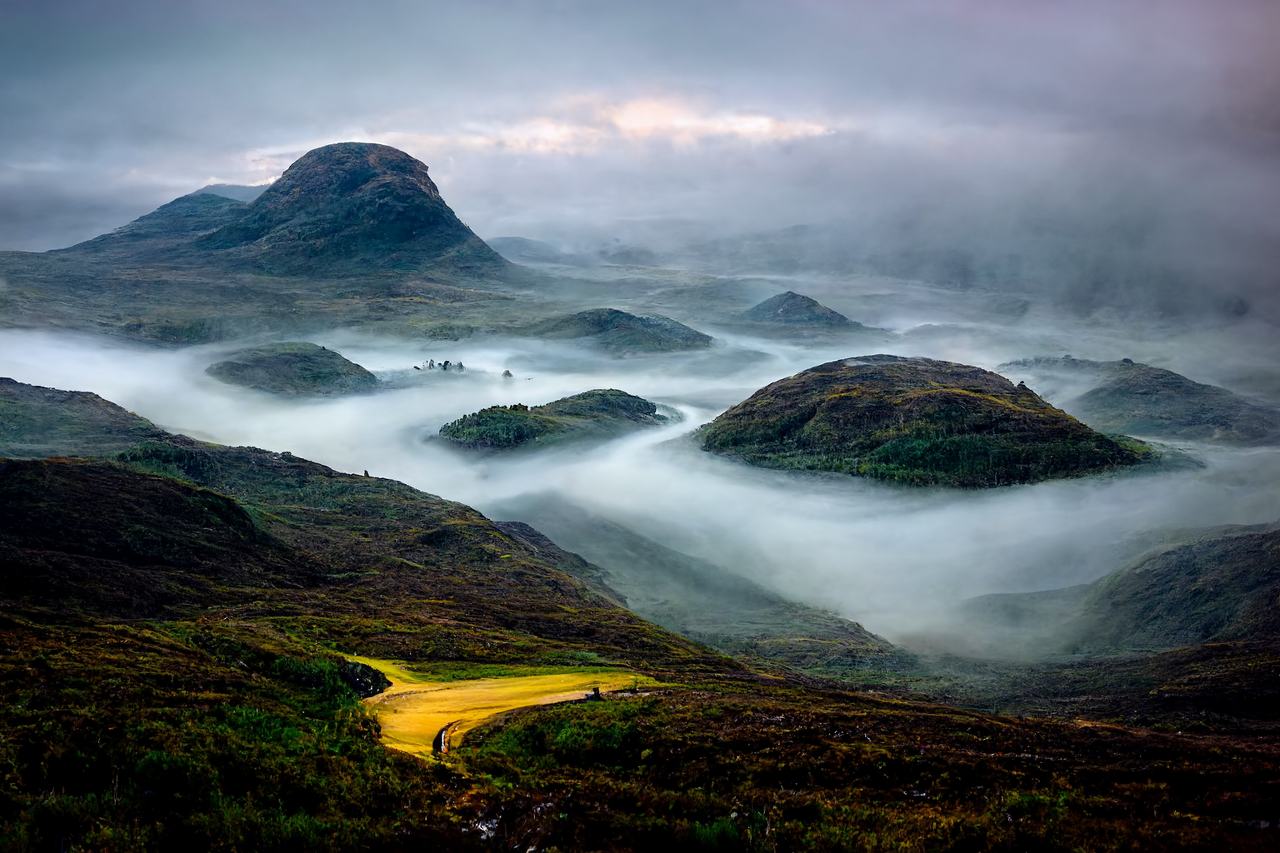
(294,368)
(1138,398)
(363,679)
(599,412)
(354,207)
(622,333)
(796,309)
(913,420)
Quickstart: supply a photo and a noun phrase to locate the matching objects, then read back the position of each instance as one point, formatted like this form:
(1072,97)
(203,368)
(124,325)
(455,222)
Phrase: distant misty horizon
(1135,141)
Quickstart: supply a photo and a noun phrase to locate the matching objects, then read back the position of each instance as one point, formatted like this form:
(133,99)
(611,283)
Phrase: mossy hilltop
(600,412)
(913,420)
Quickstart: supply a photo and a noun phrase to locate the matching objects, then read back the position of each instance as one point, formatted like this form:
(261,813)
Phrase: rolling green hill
(913,420)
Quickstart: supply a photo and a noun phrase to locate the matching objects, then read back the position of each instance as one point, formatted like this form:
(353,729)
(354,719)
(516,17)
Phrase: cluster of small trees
(432,364)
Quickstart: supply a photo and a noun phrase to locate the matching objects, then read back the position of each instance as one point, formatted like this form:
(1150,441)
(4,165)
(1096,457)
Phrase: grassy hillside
(916,421)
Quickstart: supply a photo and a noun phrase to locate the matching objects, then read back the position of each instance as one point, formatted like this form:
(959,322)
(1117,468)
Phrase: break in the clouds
(1154,120)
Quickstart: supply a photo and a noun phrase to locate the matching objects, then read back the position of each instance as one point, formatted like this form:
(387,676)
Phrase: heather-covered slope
(1220,587)
(913,420)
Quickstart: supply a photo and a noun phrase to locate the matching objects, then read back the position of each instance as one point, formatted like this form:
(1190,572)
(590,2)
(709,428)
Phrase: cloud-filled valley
(894,558)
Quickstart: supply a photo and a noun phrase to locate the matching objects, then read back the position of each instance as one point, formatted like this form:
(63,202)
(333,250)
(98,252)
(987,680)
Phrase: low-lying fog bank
(893,558)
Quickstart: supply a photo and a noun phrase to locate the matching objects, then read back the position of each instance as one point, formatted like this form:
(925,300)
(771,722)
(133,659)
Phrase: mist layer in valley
(898,560)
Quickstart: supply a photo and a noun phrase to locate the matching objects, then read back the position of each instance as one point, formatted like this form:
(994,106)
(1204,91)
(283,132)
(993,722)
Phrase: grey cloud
(1161,114)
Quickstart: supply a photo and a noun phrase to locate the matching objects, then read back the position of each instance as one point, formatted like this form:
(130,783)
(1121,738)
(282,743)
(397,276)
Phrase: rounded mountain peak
(331,173)
(354,208)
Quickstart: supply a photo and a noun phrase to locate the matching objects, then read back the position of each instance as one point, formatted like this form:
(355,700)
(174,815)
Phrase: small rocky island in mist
(623,334)
(296,368)
(795,309)
(1136,398)
(913,420)
(591,413)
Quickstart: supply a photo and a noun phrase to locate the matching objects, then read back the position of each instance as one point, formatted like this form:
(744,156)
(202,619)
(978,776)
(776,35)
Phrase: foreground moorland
(177,623)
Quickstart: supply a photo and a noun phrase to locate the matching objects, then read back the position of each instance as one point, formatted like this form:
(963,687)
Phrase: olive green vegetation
(775,768)
(599,413)
(294,368)
(916,421)
(1136,398)
(172,622)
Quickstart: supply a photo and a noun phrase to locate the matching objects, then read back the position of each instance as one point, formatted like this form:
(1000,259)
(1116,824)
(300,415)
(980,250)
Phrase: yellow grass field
(414,709)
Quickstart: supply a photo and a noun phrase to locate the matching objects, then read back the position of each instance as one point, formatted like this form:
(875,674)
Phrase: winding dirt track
(413,711)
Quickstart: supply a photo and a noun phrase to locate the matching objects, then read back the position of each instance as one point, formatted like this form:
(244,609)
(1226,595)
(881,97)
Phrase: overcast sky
(558,118)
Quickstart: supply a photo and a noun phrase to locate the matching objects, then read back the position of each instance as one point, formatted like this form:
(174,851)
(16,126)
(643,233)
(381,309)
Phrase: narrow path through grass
(416,707)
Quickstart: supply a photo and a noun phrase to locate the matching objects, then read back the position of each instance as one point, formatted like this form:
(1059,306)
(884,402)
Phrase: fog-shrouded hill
(296,368)
(37,422)
(913,420)
(522,250)
(700,600)
(353,207)
(622,333)
(342,210)
(599,413)
(1189,631)
(792,308)
(1136,398)
(1220,587)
